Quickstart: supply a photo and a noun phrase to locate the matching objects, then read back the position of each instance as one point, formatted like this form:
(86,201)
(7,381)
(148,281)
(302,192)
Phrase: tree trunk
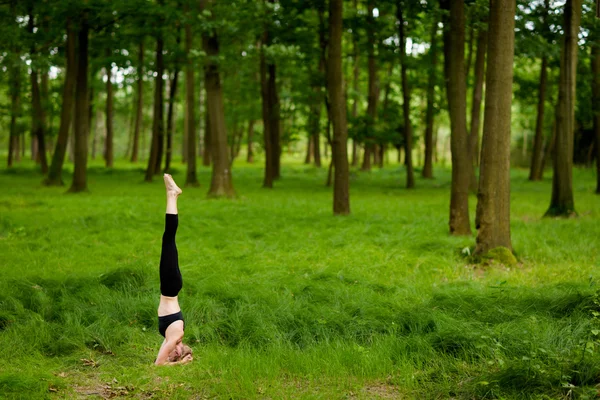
(81,125)
(207,140)
(482,39)
(493,199)
(355,77)
(15,94)
(55,173)
(108,146)
(250,154)
(274,121)
(410,178)
(191,178)
(428,163)
(266,114)
(372,95)
(309,148)
(221,184)
(596,104)
(37,113)
(314,121)
(341,189)
(170,117)
(140,103)
(157,124)
(536,158)
(454,68)
(562,202)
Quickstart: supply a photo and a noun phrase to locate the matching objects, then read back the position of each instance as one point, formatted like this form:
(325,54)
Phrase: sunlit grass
(283,300)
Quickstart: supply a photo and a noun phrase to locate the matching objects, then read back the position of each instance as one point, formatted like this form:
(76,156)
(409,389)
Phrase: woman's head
(180,352)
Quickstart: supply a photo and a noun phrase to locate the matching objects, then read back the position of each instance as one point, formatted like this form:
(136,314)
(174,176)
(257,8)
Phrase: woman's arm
(165,349)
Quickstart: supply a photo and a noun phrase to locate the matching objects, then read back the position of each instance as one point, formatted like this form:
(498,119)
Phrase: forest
(381,198)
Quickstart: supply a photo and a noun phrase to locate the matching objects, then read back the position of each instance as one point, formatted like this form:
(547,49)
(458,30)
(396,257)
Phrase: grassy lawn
(283,300)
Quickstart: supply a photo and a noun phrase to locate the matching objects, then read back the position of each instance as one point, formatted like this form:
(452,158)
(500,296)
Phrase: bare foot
(171,186)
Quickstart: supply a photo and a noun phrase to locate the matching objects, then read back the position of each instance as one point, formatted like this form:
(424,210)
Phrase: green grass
(283,300)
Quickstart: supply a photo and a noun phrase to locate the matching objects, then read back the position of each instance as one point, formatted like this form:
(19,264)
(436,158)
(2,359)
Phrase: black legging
(170,276)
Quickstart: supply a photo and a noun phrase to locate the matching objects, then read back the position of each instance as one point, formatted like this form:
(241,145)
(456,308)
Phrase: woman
(170,319)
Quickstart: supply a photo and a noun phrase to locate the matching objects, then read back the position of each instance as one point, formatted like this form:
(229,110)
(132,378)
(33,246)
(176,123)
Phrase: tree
(429,114)
(55,173)
(156,145)
(81,124)
(535,173)
(493,199)
(596,103)
(482,40)
(221,184)
(191,177)
(140,102)
(109,152)
(410,179)
(454,69)
(372,91)
(562,202)
(37,114)
(341,195)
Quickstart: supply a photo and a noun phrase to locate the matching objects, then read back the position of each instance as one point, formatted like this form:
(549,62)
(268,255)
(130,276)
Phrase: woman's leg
(170,277)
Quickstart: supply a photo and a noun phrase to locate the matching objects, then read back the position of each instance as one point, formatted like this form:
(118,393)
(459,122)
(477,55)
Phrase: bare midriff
(168,305)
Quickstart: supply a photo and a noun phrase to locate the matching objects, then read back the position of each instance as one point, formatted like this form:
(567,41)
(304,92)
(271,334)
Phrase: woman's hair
(186,350)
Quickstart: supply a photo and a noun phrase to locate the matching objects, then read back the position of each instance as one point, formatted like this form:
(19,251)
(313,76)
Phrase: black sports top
(166,320)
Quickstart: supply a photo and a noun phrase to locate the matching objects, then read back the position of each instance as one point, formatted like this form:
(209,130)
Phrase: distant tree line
(350,78)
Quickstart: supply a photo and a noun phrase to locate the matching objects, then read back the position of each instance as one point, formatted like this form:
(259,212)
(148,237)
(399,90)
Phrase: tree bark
(410,177)
(55,173)
(372,94)
(274,121)
(482,40)
(562,202)
(108,147)
(428,163)
(221,184)
(157,124)
(81,124)
(596,104)
(355,77)
(170,117)
(538,141)
(250,154)
(493,199)
(454,68)
(140,103)
(207,140)
(191,178)
(266,113)
(37,113)
(341,186)
(309,148)
(314,121)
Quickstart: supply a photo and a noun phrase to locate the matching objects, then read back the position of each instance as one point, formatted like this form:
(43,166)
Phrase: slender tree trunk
(562,202)
(454,60)
(55,173)
(221,184)
(372,95)
(428,163)
(81,125)
(482,40)
(109,148)
(410,177)
(170,118)
(355,77)
(341,190)
(140,103)
(15,93)
(314,121)
(275,121)
(596,104)
(250,154)
(469,61)
(309,148)
(37,112)
(207,140)
(266,114)
(536,158)
(158,124)
(190,134)
(493,199)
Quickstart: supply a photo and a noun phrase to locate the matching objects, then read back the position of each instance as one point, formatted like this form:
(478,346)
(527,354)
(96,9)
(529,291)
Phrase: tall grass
(283,300)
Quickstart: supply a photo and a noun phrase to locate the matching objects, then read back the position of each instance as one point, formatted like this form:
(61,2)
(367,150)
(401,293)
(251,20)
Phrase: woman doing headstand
(170,318)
